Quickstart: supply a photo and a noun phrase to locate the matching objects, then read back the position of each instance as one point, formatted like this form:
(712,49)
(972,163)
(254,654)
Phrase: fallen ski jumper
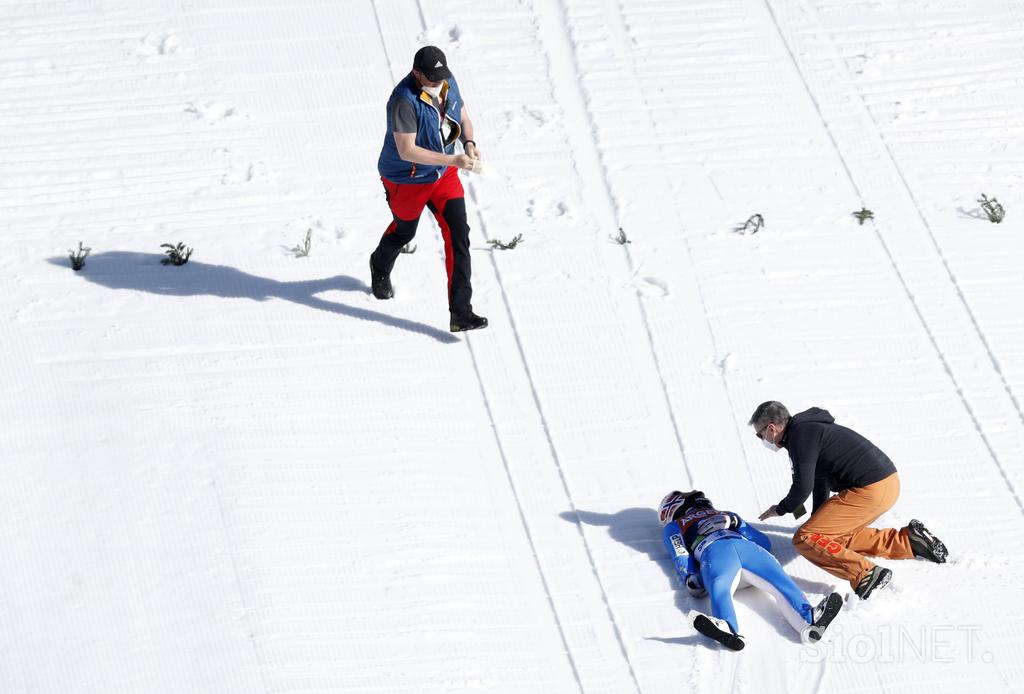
(715,551)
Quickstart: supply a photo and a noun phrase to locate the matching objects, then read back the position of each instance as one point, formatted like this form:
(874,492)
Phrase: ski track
(247,475)
(583,111)
(592,21)
(596,679)
(993,455)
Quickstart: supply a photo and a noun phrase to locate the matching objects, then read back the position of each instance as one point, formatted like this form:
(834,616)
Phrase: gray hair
(769,412)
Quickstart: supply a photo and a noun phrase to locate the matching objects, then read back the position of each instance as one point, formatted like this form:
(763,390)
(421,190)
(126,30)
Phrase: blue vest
(428,132)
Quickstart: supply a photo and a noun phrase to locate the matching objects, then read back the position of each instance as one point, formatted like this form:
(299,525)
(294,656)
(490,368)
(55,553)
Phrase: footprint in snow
(546,208)
(719,365)
(157,44)
(211,111)
(246,172)
(653,287)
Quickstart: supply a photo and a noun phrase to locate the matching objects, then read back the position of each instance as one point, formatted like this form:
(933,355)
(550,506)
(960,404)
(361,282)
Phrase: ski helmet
(676,502)
(670,504)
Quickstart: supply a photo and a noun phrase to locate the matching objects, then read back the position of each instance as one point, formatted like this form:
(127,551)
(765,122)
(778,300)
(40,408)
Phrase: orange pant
(836,537)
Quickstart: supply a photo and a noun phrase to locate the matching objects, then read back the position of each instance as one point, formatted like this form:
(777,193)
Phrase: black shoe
(877,578)
(823,615)
(717,629)
(380,283)
(924,544)
(467,321)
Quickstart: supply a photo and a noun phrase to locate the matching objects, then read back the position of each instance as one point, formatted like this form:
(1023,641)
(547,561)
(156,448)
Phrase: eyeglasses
(759,433)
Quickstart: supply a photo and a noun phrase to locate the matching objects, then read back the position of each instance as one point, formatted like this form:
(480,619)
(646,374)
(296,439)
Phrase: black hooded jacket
(827,457)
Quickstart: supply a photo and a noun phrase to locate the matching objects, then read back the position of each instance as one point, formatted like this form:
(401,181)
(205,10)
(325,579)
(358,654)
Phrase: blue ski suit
(715,550)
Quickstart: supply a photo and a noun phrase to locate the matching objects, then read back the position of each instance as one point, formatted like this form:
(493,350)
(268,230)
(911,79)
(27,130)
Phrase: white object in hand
(476,166)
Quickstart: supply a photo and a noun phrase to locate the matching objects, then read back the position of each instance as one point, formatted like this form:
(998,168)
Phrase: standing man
(419,168)
(827,457)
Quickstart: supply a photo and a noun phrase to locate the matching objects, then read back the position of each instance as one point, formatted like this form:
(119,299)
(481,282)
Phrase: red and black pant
(446,200)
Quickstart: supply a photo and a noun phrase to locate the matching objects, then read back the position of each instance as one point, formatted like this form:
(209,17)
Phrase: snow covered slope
(247,475)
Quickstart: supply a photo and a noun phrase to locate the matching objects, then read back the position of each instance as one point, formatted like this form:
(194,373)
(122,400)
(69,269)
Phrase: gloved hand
(695,586)
(723,521)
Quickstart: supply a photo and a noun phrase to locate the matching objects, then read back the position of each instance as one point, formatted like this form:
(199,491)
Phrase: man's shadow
(144,272)
(640,530)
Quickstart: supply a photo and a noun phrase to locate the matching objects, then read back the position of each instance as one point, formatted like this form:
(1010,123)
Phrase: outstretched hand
(771,512)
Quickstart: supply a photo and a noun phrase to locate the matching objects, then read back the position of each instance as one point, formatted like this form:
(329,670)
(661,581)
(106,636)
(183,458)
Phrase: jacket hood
(814,414)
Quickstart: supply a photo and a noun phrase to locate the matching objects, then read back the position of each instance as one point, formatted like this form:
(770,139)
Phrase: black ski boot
(924,544)
(380,283)
(717,629)
(876,578)
(823,615)
(467,321)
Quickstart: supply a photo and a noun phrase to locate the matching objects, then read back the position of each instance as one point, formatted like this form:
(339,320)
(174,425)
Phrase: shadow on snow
(143,272)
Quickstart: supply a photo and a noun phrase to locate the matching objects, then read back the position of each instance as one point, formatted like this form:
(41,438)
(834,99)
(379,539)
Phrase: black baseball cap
(431,62)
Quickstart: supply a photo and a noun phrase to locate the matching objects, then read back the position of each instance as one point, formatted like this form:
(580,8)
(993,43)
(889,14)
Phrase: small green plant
(176,255)
(864,215)
(621,237)
(302,249)
(408,248)
(498,244)
(78,257)
(993,210)
(753,225)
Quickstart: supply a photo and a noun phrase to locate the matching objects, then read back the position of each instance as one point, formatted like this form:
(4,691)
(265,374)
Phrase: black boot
(924,544)
(717,629)
(876,578)
(823,615)
(467,321)
(380,283)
